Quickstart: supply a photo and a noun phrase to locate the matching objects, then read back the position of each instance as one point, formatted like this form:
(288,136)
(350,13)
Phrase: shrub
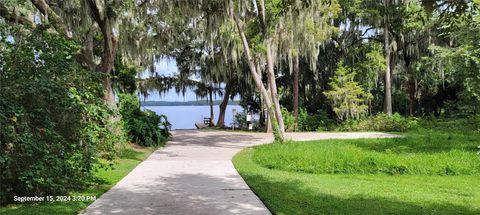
(306,122)
(145,128)
(240,120)
(316,122)
(381,122)
(288,120)
(53,125)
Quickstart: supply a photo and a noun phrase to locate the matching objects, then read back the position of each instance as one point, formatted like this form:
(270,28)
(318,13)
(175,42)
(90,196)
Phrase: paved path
(194,174)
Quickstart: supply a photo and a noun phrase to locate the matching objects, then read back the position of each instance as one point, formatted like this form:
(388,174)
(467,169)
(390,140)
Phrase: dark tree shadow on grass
(288,197)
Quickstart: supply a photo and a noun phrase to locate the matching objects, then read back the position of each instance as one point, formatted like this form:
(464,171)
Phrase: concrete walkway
(194,174)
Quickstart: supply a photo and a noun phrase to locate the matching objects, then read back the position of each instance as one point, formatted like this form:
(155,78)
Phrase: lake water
(185,117)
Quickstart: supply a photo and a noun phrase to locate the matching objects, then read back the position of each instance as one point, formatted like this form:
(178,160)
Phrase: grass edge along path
(129,159)
(286,192)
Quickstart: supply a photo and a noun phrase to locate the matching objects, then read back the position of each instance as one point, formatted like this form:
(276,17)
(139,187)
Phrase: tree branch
(367,30)
(53,18)
(143,3)
(10,16)
(97,16)
(261,16)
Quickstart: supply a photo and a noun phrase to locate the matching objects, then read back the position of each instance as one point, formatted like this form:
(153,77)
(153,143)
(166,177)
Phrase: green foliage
(240,120)
(316,122)
(288,119)
(125,77)
(128,158)
(423,152)
(306,122)
(145,128)
(54,127)
(380,122)
(371,65)
(346,96)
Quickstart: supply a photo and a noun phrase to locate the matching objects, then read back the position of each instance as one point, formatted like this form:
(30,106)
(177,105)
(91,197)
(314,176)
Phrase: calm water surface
(185,117)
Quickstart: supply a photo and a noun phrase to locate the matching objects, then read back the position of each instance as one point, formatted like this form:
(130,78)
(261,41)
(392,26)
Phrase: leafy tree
(260,36)
(53,124)
(348,98)
(460,62)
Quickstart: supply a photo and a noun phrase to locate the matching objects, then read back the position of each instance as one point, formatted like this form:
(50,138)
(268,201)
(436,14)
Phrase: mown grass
(433,170)
(129,159)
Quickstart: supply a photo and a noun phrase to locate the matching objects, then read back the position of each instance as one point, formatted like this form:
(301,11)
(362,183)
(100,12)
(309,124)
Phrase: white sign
(249,117)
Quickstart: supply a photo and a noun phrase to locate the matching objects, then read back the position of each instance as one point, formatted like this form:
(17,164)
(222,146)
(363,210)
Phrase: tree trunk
(296,71)
(387,100)
(270,72)
(86,57)
(269,121)
(106,63)
(279,136)
(108,96)
(52,17)
(109,42)
(13,17)
(273,91)
(411,97)
(269,124)
(411,88)
(211,108)
(223,105)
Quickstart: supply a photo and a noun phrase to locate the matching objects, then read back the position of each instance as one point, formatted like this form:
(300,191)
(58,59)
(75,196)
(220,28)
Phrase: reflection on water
(184,117)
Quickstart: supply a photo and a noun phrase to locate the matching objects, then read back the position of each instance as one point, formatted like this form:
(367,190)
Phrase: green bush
(54,127)
(306,122)
(145,128)
(316,122)
(240,120)
(381,122)
(288,120)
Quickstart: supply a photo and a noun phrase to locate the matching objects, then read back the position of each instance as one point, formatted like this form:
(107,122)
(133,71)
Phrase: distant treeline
(187,103)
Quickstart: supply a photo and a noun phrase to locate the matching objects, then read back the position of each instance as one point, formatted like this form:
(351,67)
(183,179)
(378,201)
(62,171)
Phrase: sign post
(234,112)
(249,120)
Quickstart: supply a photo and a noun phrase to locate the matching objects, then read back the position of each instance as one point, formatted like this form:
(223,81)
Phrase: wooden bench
(206,120)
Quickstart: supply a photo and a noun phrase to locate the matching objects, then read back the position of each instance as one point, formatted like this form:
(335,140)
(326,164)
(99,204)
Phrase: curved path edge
(193,174)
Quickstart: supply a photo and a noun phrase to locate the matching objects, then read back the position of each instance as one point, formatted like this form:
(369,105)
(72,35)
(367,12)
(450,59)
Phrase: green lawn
(129,159)
(429,171)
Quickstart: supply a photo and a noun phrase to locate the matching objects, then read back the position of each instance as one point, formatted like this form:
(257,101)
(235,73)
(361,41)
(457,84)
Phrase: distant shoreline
(187,103)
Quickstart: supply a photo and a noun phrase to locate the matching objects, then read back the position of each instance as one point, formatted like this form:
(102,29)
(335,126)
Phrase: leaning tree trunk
(223,105)
(279,136)
(273,91)
(387,100)
(271,73)
(296,68)
(268,120)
